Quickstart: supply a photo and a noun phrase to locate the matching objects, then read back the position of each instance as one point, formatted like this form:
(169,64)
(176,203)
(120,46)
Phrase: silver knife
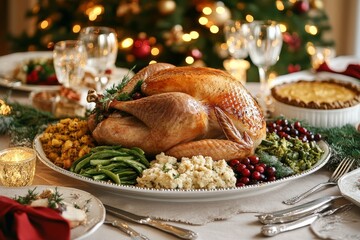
(274,229)
(176,231)
(126,229)
(302,209)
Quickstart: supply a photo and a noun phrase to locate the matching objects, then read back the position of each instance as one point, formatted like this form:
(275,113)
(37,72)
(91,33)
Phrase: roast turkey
(184,112)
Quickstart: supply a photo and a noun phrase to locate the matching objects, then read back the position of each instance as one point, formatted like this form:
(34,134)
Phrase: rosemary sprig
(55,200)
(28,198)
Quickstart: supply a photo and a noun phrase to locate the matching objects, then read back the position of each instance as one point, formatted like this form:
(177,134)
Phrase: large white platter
(179,195)
(96,211)
(9,62)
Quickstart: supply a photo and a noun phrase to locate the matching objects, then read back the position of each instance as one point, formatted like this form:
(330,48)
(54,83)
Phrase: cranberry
(287,129)
(240,167)
(271,178)
(240,184)
(283,135)
(254,159)
(256,175)
(270,171)
(271,125)
(302,130)
(244,180)
(310,137)
(234,162)
(245,172)
(259,169)
(297,125)
(262,165)
(279,128)
(294,132)
(245,161)
(250,167)
(317,137)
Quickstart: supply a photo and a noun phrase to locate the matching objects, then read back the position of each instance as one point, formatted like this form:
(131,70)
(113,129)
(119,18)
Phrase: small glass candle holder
(17,166)
(237,68)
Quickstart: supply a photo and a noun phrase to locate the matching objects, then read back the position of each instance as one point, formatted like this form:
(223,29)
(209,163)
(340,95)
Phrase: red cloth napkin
(22,222)
(352,70)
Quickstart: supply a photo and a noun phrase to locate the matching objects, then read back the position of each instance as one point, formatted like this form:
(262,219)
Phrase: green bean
(141,157)
(139,150)
(102,148)
(99,176)
(102,162)
(72,167)
(120,158)
(111,175)
(138,167)
(113,166)
(129,182)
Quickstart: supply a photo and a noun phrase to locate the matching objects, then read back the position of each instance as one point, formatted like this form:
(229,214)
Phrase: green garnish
(28,198)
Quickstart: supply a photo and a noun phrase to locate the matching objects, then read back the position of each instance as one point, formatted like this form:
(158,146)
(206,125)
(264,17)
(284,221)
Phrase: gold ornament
(166,6)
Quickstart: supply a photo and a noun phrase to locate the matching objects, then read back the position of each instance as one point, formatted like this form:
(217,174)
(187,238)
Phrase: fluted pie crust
(324,94)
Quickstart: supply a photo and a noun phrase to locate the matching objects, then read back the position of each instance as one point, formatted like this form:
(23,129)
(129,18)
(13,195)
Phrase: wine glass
(101,45)
(264,46)
(235,32)
(69,58)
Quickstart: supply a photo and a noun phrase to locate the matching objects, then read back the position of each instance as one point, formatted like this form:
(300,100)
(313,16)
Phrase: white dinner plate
(349,186)
(181,195)
(339,226)
(96,211)
(9,62)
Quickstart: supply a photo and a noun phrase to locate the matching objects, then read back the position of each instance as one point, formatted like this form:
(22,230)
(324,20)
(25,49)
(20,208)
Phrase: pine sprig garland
(24,123)
(344,142)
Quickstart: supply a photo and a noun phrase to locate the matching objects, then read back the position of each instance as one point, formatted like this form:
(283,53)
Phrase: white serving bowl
(319,117)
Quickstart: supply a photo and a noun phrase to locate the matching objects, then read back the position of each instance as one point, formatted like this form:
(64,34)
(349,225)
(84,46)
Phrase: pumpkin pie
(325,94)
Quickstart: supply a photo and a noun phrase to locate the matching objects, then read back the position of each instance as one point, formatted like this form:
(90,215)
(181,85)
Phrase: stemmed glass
(69,58)
(264,46)
(236,32)
(101,46)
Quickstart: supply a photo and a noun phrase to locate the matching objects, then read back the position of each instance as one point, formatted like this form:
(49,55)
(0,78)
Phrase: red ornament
(294,68)
(141,48)
(292,40)
(301,6)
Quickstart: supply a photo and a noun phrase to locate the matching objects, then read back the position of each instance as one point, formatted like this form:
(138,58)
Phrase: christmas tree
(180,32)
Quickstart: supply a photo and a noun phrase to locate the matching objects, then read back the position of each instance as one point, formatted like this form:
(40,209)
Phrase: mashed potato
(199,172)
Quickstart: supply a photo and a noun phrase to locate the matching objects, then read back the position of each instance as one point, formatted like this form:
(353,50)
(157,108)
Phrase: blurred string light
(311,29)
(76,28)
(280,5)
(94,11)
(44,24)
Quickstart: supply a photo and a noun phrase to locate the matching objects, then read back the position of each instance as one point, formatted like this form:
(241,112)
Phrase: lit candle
(17,166)
(237,68)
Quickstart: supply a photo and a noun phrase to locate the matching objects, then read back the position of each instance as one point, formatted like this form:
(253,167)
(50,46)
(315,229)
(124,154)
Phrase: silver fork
(341,169)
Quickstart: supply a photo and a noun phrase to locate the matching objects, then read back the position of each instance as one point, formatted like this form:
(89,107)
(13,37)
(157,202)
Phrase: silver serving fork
(341,169)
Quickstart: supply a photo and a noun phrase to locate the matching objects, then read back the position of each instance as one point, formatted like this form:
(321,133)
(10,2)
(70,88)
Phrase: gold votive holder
(17,166)
(237,68)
